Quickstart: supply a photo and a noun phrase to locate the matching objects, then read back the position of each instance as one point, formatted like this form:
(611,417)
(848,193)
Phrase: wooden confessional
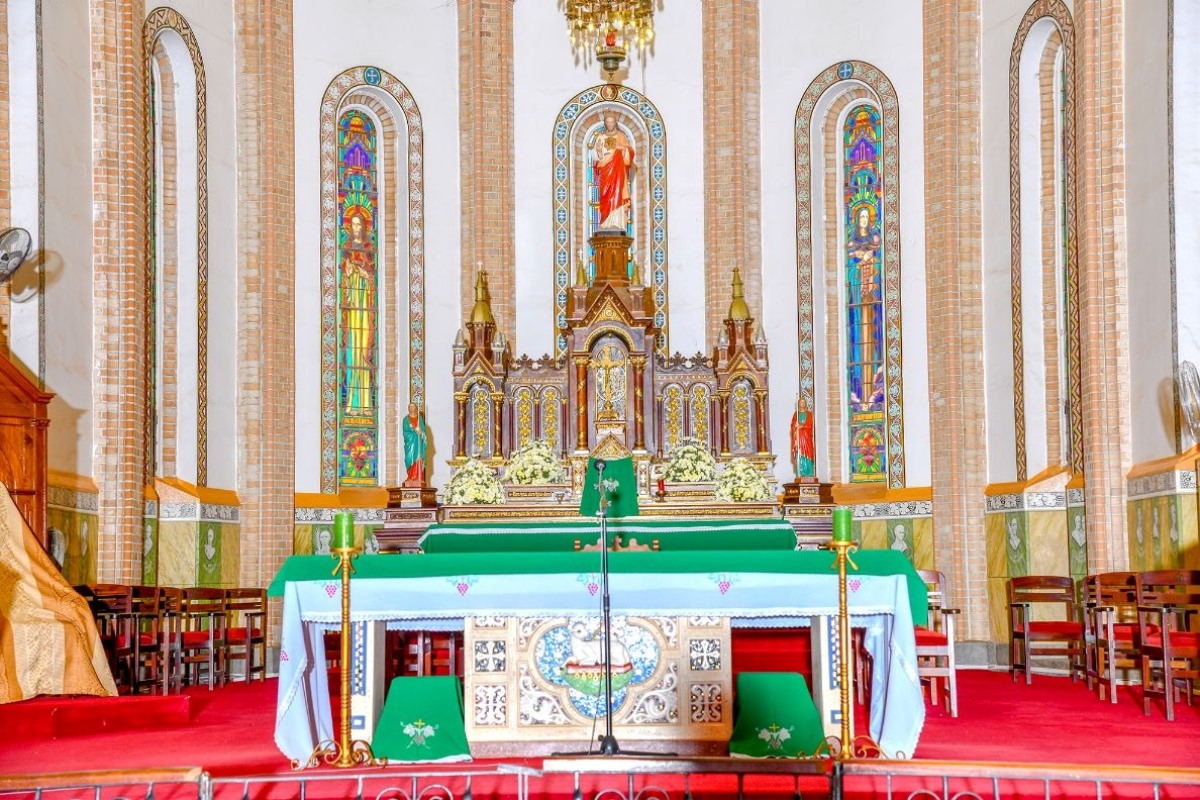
(24,420)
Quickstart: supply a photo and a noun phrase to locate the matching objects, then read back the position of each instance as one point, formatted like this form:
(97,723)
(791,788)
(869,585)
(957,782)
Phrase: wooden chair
(202,635)
(935,643)
(1111,638)
(435,653)
(1032,634)
(246,632)
(1168,604)
(156,644)
(112,608)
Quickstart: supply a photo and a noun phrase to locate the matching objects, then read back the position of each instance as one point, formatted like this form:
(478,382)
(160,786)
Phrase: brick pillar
(118,283)
(1104,279)
(486,142)
(266,313)
(732,184)
(954,265)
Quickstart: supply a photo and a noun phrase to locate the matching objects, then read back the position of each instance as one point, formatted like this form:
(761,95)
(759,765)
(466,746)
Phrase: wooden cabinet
(24,420)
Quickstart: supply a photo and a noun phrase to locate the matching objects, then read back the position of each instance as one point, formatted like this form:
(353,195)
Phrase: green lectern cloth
(775,717)
(622,499)
(422,720)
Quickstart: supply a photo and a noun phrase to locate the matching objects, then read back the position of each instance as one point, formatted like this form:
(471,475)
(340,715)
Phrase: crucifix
(610,374)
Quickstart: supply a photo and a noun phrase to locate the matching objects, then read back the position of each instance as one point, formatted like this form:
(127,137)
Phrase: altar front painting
(541,679)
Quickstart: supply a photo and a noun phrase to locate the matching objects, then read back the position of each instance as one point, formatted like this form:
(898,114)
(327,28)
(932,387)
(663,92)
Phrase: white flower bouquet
(689,462)
(474,483)
(741,482)
(535,462)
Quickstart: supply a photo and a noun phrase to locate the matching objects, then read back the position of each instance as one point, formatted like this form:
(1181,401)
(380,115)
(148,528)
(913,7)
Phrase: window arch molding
(401,134)
(1045,34)
(167,35)
(577,117)
(824,104)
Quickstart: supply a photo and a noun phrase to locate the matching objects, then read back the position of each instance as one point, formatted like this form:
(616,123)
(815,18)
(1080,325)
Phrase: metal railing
(627,778)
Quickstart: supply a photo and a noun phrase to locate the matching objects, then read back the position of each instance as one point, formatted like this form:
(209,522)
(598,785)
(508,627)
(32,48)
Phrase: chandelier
(609,28)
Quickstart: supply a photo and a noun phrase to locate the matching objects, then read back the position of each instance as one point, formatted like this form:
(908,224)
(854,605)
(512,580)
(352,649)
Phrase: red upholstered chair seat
(239,634)
(929,638)
(1180,640)
(195,638)
(1055,628)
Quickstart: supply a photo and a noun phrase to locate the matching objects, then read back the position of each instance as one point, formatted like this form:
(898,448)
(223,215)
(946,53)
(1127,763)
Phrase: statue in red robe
(804,448)
(614,157)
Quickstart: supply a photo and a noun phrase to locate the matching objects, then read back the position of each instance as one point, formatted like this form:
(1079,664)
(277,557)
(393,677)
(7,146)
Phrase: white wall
(798,41)
(26,181)
(67,237)
(212,24)
(1187,176)
(418,43)
(1147,207)
(1000,21)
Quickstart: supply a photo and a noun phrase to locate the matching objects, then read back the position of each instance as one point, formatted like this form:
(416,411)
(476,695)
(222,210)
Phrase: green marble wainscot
(912,536)
(150,549)
(78,534)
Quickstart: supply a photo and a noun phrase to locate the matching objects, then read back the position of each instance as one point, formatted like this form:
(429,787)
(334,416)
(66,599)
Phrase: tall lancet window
(358,304)
(864,312)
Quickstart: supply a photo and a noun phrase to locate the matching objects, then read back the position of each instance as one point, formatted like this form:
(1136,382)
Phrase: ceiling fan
(15,244)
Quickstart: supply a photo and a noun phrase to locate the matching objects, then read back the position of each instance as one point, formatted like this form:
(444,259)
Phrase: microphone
(600,465)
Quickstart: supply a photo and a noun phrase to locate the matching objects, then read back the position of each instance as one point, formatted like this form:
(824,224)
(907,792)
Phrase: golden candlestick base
(847,746)
(344,752)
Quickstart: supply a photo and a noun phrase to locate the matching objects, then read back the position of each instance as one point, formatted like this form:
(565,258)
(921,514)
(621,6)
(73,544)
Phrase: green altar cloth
(775,717)
(812,562)
(622,500)
(422,721)
(560,535)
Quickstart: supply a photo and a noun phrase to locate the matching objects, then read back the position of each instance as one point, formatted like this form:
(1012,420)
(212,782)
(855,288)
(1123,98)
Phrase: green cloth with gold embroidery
(422,720)
(774,717)
(622,497)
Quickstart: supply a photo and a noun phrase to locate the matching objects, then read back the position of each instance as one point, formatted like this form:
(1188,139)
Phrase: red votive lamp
(841,523)
(343,530)
(662,486)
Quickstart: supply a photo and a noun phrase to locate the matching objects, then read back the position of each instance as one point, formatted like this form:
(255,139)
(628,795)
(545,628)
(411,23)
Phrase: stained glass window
(358,305)
(864,313)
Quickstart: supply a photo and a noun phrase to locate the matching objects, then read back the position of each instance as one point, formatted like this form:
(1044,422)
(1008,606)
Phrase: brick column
(732,184)
(266,313)
(119,269)
(954,265)
(486,149)
(1104,279)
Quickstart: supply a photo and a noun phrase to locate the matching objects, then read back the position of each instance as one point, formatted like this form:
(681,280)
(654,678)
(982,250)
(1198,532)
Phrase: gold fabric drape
(48,640)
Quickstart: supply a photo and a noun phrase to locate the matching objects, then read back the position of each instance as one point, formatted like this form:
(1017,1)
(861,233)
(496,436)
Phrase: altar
(517,695)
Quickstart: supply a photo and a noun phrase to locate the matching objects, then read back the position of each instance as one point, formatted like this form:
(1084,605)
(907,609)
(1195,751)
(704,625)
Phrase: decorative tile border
(372,80)
(1032,501)
(157,21)
(1173,482)
(192,510)
(150,509)
(1075,497)
(71,500)
(845,75)
(906,509)
(322,515)
(1057,11)
(565,200)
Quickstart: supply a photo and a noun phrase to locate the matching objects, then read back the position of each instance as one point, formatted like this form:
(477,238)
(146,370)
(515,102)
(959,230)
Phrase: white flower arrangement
(474,483)
(535,462)
(689,462)
(741,482)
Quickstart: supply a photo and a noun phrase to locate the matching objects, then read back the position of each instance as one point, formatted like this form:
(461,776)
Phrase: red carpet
(230,730)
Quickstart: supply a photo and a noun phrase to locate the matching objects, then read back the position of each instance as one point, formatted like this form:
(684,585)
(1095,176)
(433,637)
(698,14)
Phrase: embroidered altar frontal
(541,679)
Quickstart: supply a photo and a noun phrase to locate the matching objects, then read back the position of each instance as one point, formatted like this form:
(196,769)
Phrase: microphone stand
(608,742)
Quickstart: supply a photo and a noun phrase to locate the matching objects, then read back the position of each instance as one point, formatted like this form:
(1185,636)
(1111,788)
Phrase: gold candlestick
(849,746)
(343,752)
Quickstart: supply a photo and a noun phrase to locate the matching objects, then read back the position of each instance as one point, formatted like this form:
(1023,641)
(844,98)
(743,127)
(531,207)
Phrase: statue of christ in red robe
(614,156)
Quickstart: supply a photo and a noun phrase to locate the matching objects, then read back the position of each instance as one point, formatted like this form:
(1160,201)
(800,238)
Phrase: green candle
(841,523)
(343,530)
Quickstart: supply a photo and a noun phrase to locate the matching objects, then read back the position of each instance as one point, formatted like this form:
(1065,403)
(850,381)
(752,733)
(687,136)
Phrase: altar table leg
(368,653)
(826,688)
